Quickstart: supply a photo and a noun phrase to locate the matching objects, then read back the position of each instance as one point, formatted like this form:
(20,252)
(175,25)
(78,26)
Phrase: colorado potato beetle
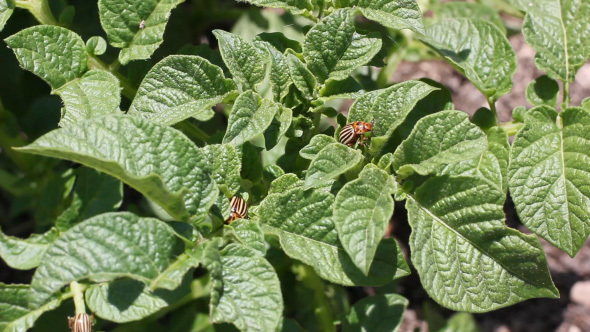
(239,209)
(80,323)
(352,132)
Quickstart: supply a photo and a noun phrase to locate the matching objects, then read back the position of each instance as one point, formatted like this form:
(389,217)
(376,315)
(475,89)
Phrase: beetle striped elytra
(352,132)
(80,323)
(239,209)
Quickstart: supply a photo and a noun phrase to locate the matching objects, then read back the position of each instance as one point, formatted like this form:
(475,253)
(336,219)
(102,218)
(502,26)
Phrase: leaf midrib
(434,217)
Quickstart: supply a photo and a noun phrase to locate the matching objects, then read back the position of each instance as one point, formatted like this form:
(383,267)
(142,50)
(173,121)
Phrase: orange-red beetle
(351,133)
(239,209)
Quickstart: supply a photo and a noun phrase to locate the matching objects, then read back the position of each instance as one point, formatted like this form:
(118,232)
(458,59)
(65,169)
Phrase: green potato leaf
(135,26)
(334,159)
(479,50)
(376,313)
(467,259)
(55,54)
(362,211)
(250,116)
(180,87)
(158,161)
(25,254)
(549,175)
(394,14)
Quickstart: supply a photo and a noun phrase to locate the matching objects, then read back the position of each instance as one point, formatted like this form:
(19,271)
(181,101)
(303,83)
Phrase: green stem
(192,131)
(511,127)
(566,95)
(321,304)
(78,293)
(393,62)
(39,9)
(492,103)
(129,90)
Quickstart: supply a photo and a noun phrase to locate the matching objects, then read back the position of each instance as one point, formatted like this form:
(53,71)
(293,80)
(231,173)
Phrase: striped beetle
(239,209)
(81,323)
(352,132)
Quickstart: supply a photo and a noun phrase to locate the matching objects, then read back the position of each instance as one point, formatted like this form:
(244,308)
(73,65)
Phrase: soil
(537,315)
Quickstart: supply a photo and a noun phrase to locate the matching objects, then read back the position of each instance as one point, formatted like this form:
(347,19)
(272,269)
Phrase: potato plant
(312,190)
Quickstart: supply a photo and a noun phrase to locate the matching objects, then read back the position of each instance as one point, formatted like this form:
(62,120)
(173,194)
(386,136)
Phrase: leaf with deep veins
(479,50)
(294,6)
(104,248)
(55,54)
(135,26)
(439,139)
(302,220)
(333,49)
(15,312)
(362,211)
(559,30)
(25,254)
(250,297)
(180,87)
(394,14)
(94,94)
(549,175)
(334,159)
(467,259)
(158,161)
(250,116)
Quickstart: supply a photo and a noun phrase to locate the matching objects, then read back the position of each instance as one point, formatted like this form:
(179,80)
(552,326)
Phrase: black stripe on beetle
(352,132)
(239,209)
(80,323)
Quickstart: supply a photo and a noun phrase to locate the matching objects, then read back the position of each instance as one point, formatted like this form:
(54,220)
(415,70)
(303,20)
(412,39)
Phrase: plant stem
(39,9)
(511,127)
(192,131)
(566,95)
(78,293)
(129,90)
(492,103)
(321,305)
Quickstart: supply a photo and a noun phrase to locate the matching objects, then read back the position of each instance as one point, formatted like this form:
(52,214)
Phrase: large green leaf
(224,166)
(248,233)
(280,79)
(106,247)
(53,53)
(467,259)
(316,144)
(294,6)
(491,165)
(303,222)
(125,300)
(389,108)
(302,77)
(25,254)
(180,87)
(278,127)
(479,50)
(362,211)
(376,313)
(469,10)
(135,26)
(334,159)
(333,49)
(245,61)
(94,94)
(156,160)
(559,30)
(249,117)
(15,312)
(394,14)
(549,175)
(442,138)
(251,296)
(6,9)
